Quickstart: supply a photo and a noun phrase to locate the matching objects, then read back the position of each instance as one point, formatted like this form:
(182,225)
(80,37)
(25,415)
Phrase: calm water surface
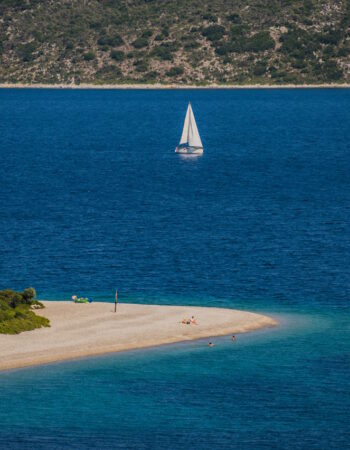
(92,197)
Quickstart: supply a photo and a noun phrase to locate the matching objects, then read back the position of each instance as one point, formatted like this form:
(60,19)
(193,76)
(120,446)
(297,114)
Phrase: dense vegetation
(181,41)
(16,312)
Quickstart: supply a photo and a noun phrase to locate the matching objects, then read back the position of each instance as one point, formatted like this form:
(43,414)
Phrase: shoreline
(86,330)
(159,86)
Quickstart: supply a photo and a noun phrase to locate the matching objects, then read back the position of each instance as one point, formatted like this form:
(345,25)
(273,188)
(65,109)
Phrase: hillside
(175,41)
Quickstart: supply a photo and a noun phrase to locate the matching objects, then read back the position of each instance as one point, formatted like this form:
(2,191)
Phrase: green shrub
(299,43)
(147,34)
(16,313)
(259,69)
(260,42)
(307,7)
(332,37)
(89,56)
(25,322)
(164,51)
(25,51)
(214,32)
(298,64)
(237,43)
(151,76)
(175,71)
(331,71)
(238,30)
(95,25)
(289,78)
(209,17)
(278,74)
(191,45)
(140,42)
(7,314)
(307,21)
(224,49)
(109,74)
(343,51)
(114,40)
(234,18)
(328,51)
(117,55)
(165,31)
(29,293)
(141,65)
(103,40)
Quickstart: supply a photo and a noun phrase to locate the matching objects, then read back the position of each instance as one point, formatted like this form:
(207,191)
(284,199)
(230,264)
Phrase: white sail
(184,136)
(190,134)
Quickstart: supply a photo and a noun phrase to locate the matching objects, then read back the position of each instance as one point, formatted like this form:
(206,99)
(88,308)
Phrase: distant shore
(170,86)
(79,330)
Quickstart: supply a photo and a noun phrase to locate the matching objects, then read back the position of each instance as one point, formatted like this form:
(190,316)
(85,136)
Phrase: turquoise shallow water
(282,388)
(93,198)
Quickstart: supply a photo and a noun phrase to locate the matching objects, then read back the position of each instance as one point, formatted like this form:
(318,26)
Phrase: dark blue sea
(93,198)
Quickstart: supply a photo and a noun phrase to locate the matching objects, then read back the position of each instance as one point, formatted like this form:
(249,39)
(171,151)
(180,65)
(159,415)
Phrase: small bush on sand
(16,312)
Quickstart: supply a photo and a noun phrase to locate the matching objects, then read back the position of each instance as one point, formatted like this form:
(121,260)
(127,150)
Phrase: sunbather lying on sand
(191,321)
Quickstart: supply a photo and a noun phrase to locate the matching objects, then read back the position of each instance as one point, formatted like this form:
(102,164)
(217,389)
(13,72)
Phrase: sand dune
(92,329)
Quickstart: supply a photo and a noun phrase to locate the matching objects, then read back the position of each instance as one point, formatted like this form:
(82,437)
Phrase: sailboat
(190,142)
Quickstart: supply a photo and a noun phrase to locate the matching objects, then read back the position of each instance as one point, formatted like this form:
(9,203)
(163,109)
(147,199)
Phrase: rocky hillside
(175,41)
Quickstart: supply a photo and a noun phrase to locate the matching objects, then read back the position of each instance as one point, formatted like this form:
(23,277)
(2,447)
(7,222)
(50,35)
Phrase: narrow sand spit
(93,329)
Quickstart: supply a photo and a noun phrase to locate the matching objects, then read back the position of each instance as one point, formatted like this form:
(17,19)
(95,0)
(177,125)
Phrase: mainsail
(190,135)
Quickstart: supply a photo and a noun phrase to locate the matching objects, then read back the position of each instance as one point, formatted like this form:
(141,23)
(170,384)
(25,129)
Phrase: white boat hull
(189,150)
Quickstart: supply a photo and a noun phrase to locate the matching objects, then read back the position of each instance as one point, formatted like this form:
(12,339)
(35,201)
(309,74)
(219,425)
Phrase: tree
(29,294)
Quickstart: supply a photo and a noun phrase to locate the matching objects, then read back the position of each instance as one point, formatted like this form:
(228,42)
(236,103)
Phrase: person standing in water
(115,300)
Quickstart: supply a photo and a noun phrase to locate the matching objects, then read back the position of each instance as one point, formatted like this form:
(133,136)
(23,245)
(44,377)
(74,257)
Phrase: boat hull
(189,150)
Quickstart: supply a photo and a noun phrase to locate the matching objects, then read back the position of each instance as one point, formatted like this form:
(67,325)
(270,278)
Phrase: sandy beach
(170,86)
(79,330)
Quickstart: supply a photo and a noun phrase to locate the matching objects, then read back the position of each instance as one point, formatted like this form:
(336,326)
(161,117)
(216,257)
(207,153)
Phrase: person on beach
(191,321)
(115,300)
